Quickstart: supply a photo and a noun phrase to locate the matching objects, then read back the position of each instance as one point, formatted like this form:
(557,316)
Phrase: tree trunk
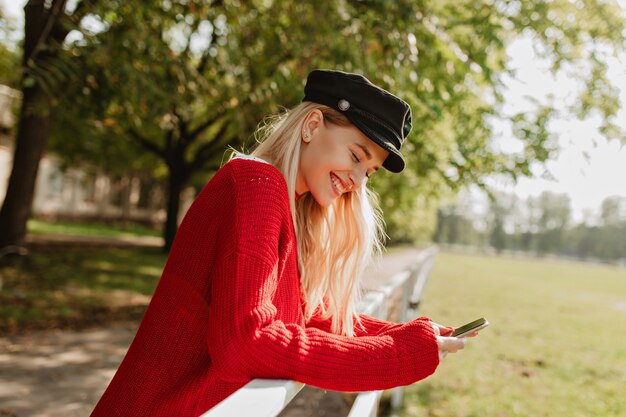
(176,182)
(125,193)
(33,129)
(29,146)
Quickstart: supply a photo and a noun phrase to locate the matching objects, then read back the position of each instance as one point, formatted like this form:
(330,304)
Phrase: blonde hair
(335,243)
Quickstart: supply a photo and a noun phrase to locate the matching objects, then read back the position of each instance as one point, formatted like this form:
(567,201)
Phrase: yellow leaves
(109,122)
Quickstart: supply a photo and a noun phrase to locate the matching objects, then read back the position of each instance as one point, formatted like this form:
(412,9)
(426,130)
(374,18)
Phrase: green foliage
(9,67)
(9,56)
(187,79)
(551,321)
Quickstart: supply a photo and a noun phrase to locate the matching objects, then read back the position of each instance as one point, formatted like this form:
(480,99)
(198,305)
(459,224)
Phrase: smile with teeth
(339,186)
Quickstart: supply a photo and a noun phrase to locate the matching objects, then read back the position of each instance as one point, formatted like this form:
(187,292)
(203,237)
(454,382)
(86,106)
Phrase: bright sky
(588,168)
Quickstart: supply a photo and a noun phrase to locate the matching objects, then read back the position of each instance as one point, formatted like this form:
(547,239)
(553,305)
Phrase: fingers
(450,344)
(443,330)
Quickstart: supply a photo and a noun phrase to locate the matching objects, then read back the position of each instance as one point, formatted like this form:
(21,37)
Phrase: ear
(312,123)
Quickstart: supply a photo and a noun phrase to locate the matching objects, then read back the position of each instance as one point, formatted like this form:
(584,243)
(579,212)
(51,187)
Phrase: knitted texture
(228,309)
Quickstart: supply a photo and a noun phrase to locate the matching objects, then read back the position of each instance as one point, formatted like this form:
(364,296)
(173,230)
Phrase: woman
(262,278)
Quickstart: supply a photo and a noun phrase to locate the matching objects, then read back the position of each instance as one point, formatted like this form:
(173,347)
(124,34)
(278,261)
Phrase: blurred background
(113,115)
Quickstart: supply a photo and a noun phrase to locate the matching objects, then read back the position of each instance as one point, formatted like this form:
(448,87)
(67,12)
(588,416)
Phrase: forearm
(401,356)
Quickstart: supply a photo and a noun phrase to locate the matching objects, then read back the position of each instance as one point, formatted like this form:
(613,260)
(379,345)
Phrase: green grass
(74,287)
(556,345)
(90,229)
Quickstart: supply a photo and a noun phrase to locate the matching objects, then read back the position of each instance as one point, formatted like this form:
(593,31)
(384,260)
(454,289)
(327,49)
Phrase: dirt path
(63,373)
(59,373)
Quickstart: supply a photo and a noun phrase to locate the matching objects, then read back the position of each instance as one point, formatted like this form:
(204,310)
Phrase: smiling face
(334,159)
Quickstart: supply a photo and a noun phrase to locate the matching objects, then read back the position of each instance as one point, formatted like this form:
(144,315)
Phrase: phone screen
(470,327)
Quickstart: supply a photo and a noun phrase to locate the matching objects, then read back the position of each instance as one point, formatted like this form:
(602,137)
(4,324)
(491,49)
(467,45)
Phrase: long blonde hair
(335,243)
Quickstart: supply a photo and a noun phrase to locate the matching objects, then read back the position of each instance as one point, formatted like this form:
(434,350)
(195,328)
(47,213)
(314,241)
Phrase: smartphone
(471,327)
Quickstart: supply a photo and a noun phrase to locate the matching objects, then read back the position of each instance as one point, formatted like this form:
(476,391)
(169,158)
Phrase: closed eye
(356,159)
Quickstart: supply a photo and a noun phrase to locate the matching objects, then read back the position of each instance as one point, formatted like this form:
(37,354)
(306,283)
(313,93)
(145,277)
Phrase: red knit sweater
(228,309)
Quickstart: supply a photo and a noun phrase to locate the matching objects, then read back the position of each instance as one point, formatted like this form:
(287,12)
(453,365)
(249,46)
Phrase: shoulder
(247,168)
(255,176)
(247,187)
(261,208)
(253,187)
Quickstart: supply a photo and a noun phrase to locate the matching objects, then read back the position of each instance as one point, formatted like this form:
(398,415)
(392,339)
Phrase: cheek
(310,169)
(308,162)
(316,158)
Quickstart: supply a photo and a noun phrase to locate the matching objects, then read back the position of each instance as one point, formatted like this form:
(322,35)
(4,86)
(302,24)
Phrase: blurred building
(80,194)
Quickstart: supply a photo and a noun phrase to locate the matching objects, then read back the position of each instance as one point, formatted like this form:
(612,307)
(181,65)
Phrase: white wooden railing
(268,397)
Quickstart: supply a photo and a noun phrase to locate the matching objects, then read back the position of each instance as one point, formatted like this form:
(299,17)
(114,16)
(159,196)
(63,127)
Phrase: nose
(357,176)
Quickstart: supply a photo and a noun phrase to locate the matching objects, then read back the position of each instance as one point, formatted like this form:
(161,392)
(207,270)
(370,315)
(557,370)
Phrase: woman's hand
(447,343)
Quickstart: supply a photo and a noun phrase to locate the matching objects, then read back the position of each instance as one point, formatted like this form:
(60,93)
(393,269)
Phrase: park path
(64,373)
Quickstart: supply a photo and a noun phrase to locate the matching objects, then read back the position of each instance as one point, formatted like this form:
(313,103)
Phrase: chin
(323,200)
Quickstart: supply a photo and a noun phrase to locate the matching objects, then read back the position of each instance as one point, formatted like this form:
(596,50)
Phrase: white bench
(268,397)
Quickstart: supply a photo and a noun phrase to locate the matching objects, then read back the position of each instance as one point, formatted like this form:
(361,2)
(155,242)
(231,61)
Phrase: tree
(45,27)
(448,60)
(554,218)
(187,79)
(613,210)
(186,100)
(456,223)
(497,235)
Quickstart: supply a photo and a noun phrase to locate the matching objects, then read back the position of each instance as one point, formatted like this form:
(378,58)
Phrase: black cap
(381,116)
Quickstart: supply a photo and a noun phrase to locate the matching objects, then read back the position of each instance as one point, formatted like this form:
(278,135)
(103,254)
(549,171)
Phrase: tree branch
(49,21)
(59,32)
(204,59)
(207,151)
(195,132)
(183,125)
(150,146)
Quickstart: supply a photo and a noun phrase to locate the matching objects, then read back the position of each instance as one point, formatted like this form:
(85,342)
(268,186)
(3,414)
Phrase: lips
(338,186)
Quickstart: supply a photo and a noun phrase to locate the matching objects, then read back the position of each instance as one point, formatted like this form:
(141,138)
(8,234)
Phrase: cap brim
(394,161)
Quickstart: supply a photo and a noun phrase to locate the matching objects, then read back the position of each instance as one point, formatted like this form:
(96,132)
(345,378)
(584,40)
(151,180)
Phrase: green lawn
(58,287)
(90,229)
(556,345)
(73,286)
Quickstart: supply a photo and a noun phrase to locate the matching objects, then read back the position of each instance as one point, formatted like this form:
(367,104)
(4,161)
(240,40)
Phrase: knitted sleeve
(366,325)
(246,339)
